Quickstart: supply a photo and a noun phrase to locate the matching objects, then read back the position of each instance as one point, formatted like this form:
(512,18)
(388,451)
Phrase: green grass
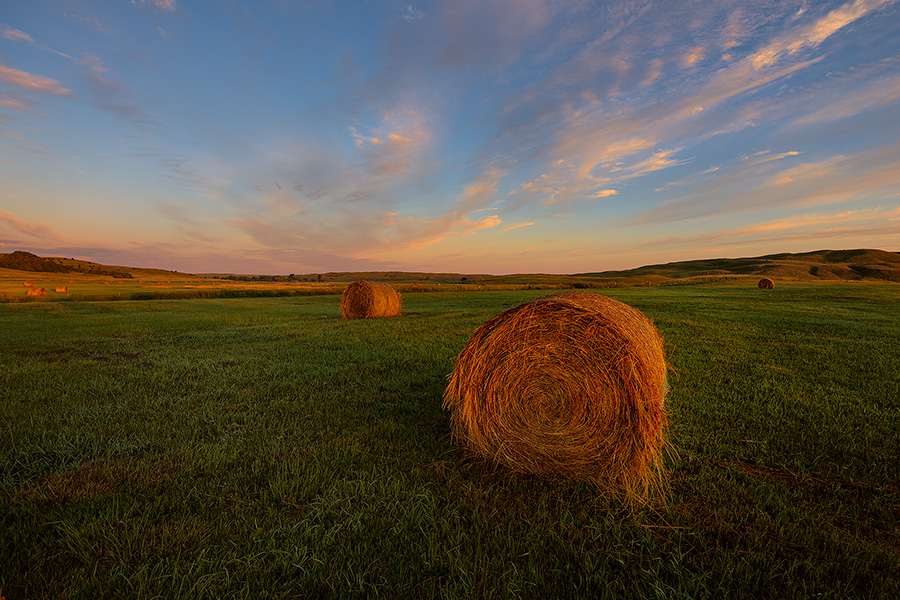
(88,288)
(262,447)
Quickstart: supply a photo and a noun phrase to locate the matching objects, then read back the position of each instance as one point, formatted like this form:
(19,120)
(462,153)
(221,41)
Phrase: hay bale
(37,292)
(569,385)
(62,288)
(766,284)
(29,284)
(366,299)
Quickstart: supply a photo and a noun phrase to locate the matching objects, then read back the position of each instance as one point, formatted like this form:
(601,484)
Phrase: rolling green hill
(807,266)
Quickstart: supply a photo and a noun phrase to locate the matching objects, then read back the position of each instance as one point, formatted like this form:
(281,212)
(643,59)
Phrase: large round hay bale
(569,385)
(367,299)
(766,284)
(36,291)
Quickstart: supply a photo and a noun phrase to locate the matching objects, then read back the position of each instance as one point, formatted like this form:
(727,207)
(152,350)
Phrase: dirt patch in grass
(103,478)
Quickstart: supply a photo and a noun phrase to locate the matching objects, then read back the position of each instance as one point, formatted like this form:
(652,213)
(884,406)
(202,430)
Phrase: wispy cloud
(113,97)
(32,83)
(760,184)
(411,13)
(11,33)
(35,233)
(812,35)
(395,146)
(416,233)
(816,221)
(188,223)
(693,56)
(662,159)
(108,94)
(16,35)
(30,149)
(849,97)
(89,22)
(518,226)
(15,101)
(364,231)
(764,156)
(92,62)
(609,141)
(878,222)
(167,5)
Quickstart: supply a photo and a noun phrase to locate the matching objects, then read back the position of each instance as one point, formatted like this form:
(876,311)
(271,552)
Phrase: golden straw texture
(568,385)
(766,284)
(366,299)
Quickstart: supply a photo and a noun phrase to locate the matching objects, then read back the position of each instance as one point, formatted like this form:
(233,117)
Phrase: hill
(28,262)
(806,266)
(860,264)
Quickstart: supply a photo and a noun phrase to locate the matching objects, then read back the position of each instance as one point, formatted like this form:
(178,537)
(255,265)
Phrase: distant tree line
(274,278)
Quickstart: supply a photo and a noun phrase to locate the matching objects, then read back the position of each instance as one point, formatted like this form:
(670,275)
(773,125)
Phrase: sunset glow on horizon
(508,136)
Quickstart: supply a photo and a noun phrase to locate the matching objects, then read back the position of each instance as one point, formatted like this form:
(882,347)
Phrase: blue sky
(511,136)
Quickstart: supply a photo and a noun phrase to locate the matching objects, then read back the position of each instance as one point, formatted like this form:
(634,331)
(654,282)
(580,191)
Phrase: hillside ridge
(852,264)
(856,264)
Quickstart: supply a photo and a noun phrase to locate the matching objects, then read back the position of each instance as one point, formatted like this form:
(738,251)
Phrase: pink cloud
(15,102)
(851,225)
(14,34)
(485,223)
(39,232)
(518,225)
(815,33)
(32,83)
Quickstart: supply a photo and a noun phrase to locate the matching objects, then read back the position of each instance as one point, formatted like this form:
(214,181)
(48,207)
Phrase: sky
(463,136)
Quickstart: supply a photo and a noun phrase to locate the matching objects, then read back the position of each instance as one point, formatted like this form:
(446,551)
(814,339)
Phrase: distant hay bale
(37,292)
(367,299)
(766,284)
(62,288)
(569,385)
(28,284)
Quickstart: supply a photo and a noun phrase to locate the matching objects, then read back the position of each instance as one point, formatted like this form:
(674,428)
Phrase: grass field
(65,287)
(262,447)
(79,287)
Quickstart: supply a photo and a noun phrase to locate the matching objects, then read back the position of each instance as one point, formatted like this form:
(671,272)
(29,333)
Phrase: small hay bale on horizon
(368,299)
(571,386)
(766,284)
(37,292)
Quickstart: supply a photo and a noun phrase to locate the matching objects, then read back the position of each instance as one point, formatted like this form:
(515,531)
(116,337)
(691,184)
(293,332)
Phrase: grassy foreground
(262,447)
